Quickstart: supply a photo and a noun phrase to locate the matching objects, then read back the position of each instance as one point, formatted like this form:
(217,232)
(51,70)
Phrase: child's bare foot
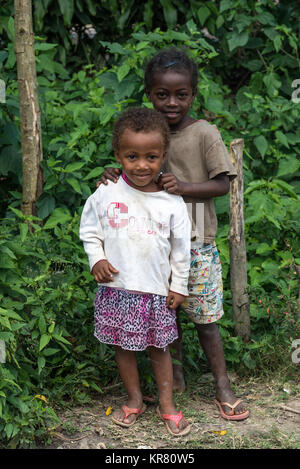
(178,379)
(128,415)
(176,424)
(224,394)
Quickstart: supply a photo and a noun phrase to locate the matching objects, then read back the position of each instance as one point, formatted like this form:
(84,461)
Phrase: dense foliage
(248,63)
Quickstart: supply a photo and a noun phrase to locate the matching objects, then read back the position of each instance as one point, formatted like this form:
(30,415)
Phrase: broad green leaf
(44,340)
(238,40)
(44,46)
(75,184)
(226,5)
(123,71)
(74,166)
(170,13)
(288,166)
(282,138)
(261,144)
(67,10)
(60,215)
(96,172)
(286,187)
(203,13)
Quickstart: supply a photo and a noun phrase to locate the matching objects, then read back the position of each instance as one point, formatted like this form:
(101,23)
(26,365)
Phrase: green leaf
(60,215)
(266,18)
(67,10)
(44,340)
(42,324)
(261,144)
(282,138)
(170,13)
(288,166)
(9,428)
(74,166)
(249,362)
(203,13)
(226,5)
(23,231)
(96,172)
(74,183)
(50,351)
(41,363)
(272,82)
(286,187)
(60,338)
(44,46)
(11,29)
(123,71)
(6,262)
(238,40)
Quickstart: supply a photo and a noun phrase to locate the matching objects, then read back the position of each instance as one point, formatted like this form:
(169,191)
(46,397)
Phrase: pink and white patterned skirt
(133,321)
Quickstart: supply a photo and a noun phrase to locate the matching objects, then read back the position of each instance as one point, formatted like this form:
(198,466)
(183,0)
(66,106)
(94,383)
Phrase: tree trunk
(238,259)
(30,121)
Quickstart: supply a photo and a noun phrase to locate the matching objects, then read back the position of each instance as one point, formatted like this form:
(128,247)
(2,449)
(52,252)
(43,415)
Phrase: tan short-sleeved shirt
(197,153)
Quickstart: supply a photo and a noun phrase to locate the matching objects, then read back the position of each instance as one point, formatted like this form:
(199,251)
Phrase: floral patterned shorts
(205,301)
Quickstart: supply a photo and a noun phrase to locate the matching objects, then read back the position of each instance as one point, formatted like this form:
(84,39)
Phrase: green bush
(46,322)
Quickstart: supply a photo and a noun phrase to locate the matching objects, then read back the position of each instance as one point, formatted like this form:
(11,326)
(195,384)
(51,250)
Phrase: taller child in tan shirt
(198,168)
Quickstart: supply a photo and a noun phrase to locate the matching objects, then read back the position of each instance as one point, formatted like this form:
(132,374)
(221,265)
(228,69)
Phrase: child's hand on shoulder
(171,184)
(174,300)
(111,174)
(103,271)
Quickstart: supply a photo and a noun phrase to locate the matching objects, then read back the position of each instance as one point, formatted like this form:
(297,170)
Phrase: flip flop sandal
(176,419)
(231,415)
(129,411)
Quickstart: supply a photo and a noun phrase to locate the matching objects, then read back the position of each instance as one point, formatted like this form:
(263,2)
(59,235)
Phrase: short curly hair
(140,120)
(171,59)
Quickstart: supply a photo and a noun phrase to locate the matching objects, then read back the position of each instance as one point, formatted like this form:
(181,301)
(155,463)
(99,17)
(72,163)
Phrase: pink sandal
(231,415)
(176,419)
(128,411)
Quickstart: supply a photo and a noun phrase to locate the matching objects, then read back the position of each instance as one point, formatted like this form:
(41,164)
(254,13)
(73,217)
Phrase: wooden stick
(238,258)
(284,407)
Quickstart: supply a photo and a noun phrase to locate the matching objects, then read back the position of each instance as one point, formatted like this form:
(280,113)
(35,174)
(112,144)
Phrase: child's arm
(215,187)
(180,240)
(91,233)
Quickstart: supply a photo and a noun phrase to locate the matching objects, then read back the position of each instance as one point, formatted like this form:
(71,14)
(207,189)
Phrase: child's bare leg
(176,346)
(127,364)
(211,342)
(162,367)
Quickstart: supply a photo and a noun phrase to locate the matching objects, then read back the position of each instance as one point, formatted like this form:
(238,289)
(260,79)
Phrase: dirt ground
(274,421)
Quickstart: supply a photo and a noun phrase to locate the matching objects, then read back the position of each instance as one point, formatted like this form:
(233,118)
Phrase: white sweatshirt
(144,235)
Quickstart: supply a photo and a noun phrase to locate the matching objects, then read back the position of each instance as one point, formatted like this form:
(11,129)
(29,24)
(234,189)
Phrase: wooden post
(238,259)
(30,124)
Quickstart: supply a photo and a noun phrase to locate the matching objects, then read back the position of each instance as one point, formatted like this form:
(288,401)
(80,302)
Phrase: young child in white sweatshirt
(137,238)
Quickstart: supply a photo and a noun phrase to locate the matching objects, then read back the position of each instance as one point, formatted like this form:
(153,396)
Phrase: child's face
(141,155)
(172,95)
